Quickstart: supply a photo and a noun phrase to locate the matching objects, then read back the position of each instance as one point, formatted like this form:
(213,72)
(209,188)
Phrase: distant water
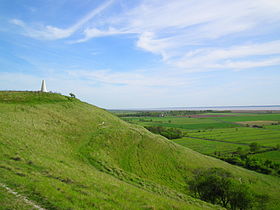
(218,108)
(221,108)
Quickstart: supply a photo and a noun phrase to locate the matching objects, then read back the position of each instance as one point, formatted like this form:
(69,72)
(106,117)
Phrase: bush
(211,185)
(72,95)
(170,133)
(218,186)
(254,147)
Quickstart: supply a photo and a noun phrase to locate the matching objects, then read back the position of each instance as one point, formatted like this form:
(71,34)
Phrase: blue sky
(144,53)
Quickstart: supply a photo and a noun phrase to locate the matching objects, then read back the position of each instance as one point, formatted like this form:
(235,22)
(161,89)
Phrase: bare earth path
(29,202)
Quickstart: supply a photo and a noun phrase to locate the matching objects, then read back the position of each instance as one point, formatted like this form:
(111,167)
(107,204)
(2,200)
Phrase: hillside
(63,153)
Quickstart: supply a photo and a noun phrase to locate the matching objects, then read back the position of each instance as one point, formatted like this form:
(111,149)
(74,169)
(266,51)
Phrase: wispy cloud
(205,59)
(138,78)
(177,30)
(101,87)
(175,18)
(94,32)
(186,34)
(52,33)
(198,44)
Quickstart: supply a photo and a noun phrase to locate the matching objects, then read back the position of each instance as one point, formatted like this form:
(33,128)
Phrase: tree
(170,133)
(241,153)
(211,185)
(239,150)
(240,197)
(72,95)
(218,186)
(254,147)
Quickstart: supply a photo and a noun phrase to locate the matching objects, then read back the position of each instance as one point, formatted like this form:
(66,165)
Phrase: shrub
(170,133)
(254,147)
(72,95)
(218,186)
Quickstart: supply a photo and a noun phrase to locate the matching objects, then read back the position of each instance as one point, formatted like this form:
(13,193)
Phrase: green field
(277,127)
(230,113)
(66,154)
(265,137)
(273,155)
(252,117)
(207,147)
(227,130)
(180,122)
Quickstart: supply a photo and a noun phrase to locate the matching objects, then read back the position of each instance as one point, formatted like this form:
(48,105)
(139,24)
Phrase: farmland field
(181,122)
(213,132)
(246,135)
(273,127)
(207,147)
(273,155)
(252,117)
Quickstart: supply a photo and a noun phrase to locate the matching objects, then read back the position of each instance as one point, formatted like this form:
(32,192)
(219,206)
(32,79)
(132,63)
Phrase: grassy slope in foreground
(60,154)
(10,201)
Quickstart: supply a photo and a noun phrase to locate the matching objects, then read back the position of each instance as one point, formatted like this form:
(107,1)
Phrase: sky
(122,54)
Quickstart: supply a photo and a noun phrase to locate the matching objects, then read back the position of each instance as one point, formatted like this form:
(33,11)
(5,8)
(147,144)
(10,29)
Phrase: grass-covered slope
(11,201)
(63,153)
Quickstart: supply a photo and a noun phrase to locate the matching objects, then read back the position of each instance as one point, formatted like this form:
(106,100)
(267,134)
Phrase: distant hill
(66,154)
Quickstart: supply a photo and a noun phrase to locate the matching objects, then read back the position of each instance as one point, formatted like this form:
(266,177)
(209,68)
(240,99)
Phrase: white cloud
(176,29)
(206,59)
(138,78)
(190,36)
(252,64)
(94,32)
(149,42)
(43,32)
(181,31)
(52,33)
(104,87)
(18,22)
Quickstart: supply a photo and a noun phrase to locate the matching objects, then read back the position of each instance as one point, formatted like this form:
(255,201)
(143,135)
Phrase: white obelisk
(43,87)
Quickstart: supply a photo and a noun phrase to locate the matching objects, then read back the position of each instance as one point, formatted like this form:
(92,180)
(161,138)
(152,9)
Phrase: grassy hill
(10,201)
(64,154)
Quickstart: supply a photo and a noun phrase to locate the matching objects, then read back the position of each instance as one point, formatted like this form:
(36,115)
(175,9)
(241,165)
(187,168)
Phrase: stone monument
(43,87)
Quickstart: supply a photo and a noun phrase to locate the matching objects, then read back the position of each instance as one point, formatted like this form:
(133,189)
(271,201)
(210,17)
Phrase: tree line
(243,158)
(170,133)
(170,113)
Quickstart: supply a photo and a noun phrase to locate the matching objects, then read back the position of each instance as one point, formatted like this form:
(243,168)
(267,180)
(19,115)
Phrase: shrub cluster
(170,133)
(242,158)
(217,186)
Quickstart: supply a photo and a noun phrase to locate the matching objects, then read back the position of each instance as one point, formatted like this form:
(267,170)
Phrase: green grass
(273,155)
(180,122)
(277,127)
(227,130)
(36,97)
(233,137)
(61,155)
(196,126)
(253,117)
(245,135)
(10,201)
(208,147)
(223,128)
(230,113)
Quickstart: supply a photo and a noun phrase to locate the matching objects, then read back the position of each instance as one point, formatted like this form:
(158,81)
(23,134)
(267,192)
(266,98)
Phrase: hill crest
(71,153)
